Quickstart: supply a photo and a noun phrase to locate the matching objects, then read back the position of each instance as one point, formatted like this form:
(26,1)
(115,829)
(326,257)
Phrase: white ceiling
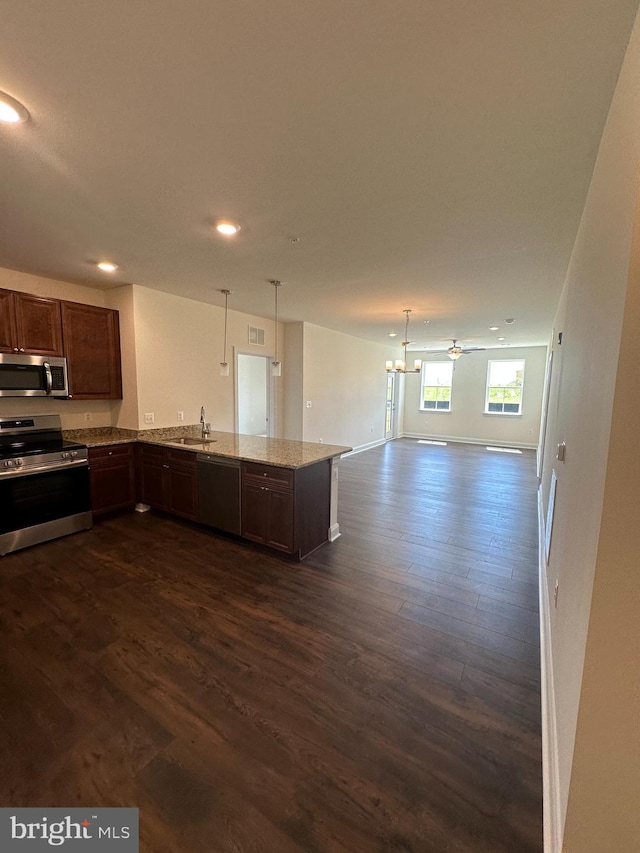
(428,154)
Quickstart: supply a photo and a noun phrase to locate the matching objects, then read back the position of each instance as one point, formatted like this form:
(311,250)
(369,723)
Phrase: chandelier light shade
(400,365)
(276,366)
(224,364)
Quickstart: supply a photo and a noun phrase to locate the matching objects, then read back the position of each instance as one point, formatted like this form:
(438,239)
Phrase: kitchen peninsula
(275,492)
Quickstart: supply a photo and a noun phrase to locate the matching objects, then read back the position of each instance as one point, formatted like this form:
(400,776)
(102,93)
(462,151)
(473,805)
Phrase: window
(435,386)
(504,387)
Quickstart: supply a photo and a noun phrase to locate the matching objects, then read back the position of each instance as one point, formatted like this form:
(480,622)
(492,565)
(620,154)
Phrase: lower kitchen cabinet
(112,476)
(284,508)
(267,516)
(168,480)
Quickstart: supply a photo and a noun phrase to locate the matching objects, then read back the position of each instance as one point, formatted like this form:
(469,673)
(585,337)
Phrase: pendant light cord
(226,311)
(276,285)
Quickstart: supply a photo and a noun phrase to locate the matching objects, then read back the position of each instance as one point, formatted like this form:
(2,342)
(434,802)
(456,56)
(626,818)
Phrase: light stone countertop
(281,452)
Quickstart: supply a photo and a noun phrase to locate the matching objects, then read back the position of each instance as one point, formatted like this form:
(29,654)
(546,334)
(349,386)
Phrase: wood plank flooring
(384,695)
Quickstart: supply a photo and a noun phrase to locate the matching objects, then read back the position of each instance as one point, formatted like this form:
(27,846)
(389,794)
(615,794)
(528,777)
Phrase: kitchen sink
(192,441)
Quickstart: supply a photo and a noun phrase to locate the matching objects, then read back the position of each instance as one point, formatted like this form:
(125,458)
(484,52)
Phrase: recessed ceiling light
(226,227)
(107,266)
(502,339)
(393,334)
(493,328)
(12,111)
(509,321)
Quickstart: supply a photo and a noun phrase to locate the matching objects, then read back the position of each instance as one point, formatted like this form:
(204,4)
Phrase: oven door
(43,505)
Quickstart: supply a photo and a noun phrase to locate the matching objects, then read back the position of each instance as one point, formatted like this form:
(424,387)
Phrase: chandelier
(401,364)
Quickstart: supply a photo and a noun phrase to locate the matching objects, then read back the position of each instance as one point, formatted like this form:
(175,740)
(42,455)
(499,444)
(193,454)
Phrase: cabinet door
(152,481)
(8,331)
(92,347)
(254,512)
(39,324)
(182,497)
(279,532)
(112,478)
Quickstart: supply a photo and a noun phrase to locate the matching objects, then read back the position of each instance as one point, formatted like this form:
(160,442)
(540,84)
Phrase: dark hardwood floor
(384,695)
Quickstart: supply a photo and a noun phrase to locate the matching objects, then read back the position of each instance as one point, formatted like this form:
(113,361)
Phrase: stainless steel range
(44,482)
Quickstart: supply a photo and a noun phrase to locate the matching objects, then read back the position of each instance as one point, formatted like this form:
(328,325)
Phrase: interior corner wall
(293,374)
(467,420)
(595,542)
(344,379)
(125,413)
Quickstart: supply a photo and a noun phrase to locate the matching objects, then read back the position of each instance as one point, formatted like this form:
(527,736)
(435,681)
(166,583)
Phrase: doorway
(253,395)
(390,407)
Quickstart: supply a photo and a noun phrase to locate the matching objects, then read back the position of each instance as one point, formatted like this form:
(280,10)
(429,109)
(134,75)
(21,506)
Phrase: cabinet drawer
(267,475)
(109,454)
(153,451)
(182,458)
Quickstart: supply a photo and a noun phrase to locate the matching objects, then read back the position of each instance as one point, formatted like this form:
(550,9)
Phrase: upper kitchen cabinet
(92,346)
(30,324)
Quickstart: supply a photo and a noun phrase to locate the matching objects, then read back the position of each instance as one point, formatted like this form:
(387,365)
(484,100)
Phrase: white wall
(344,378)
(292,369)
(594,406)
(178,350)
(466,421)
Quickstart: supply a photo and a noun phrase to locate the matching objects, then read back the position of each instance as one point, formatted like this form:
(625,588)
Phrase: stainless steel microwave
(33,376)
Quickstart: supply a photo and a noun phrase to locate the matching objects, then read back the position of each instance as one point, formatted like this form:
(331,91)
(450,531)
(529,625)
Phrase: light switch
(308,404)
(562,449)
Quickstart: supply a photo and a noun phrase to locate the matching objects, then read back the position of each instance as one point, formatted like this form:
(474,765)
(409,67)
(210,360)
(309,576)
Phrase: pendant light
(400,365)
(276,366)
(224,364)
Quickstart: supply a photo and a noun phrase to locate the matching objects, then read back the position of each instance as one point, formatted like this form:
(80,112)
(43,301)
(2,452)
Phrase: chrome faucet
(206,427)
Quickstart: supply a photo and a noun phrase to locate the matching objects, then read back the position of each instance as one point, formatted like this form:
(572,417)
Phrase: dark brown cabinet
(30,324)
(112,475)
(92,346)
(168,480)
(284,508)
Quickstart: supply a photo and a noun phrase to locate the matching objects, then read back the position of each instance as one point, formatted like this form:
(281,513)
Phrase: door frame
(270,390)
(393,431)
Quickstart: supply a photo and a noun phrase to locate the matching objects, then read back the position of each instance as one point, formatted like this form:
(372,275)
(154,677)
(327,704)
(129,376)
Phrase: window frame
(435,409)
(488,387)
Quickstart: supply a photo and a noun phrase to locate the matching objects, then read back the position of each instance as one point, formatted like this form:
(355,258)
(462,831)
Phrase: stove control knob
(74,453)
(66,455)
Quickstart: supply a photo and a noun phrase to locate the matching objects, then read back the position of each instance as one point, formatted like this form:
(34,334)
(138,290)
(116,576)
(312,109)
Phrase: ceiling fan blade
(475,349)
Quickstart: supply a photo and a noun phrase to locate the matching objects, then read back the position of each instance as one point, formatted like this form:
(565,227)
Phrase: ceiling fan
(456,351)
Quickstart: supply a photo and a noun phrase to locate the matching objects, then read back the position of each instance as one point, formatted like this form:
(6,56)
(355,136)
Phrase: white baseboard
(552,820)
(362,447)
(460,439)
(334,532)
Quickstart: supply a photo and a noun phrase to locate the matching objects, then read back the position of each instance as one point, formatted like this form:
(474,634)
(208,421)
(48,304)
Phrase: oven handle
(42,469)
(47,377)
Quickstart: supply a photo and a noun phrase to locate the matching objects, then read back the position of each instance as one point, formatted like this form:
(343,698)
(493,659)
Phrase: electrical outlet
(555,593)
(180,416)
(87,416)
(320,440)
(149,418)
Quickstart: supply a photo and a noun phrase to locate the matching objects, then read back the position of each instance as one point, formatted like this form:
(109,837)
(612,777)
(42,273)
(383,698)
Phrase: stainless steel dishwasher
(219,492)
